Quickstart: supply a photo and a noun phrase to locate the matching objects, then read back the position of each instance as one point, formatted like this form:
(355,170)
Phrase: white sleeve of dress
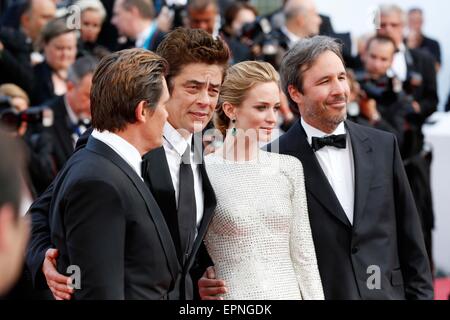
(303,253)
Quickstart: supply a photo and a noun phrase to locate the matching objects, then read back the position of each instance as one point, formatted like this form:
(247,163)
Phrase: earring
(233,130)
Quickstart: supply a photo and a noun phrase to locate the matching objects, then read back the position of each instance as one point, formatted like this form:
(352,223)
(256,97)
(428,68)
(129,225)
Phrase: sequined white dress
(260,238)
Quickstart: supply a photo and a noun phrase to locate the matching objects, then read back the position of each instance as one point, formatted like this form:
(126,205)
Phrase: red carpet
(442,289)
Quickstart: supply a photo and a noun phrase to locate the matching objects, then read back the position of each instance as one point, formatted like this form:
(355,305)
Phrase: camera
(13,119)
(259,34)
(385,91)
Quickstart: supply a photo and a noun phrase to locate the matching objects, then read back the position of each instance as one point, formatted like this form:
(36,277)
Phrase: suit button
(355,250)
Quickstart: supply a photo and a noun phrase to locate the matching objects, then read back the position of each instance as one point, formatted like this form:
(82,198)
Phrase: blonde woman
(260,237)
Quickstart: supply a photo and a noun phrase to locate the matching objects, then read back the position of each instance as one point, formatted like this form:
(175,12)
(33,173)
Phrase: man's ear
(229,110)
(295,94)
(142,111)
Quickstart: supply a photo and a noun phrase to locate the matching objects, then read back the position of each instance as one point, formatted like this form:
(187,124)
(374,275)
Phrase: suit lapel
(160,184)
(209,197)
(315,180)
(209,200)
(153,209)
(362,159)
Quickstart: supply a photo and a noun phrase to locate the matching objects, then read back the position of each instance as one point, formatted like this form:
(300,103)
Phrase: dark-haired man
(135,19)
(197,66)
(103,219)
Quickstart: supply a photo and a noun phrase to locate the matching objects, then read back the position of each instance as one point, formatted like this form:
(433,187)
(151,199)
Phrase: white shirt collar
(314,132)
(175,139)
(72,116)
(123,148)
(143,36)
(293,38)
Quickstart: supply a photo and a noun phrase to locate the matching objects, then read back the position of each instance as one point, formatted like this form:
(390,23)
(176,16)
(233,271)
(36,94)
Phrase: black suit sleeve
(15,71)
(94,222)
(428,100)
(413,256)
(40,239)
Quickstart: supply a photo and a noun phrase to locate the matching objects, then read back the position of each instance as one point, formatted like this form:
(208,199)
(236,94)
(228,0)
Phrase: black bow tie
(338,141)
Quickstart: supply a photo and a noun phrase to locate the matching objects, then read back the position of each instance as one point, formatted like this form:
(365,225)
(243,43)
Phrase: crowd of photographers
(49,50)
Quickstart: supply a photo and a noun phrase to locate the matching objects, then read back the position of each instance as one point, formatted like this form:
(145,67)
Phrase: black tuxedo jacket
(53,145)
(386,232)
(104,220)
(426,94)
(15,62)
(160,183)
(60,133)
(43,89)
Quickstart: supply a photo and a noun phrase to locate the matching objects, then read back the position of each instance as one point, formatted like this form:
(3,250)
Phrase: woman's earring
(233,130)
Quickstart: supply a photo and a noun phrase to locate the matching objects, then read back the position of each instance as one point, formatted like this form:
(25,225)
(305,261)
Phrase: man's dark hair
(300,58)
(184,46)
(121,81)
(201,5)
(145,7)
(381,39)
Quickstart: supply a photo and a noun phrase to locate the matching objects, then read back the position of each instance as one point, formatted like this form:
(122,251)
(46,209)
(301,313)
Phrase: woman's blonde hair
(240,78)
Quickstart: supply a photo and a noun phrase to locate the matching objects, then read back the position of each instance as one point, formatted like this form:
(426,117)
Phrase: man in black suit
(416,38)
(197,66)
(72,116)
(17,57)
(415,68)
(135,19)
(365,226)
(103,219)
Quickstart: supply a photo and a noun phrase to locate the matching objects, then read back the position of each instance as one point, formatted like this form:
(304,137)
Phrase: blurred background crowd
(49,50)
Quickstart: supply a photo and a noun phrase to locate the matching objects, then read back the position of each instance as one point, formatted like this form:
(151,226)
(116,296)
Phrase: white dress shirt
(399,67)
(338,166)
(174,146)
(122,147)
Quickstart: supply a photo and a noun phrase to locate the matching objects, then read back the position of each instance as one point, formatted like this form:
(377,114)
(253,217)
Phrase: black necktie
(187,209)
(338,141)
(144,170)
